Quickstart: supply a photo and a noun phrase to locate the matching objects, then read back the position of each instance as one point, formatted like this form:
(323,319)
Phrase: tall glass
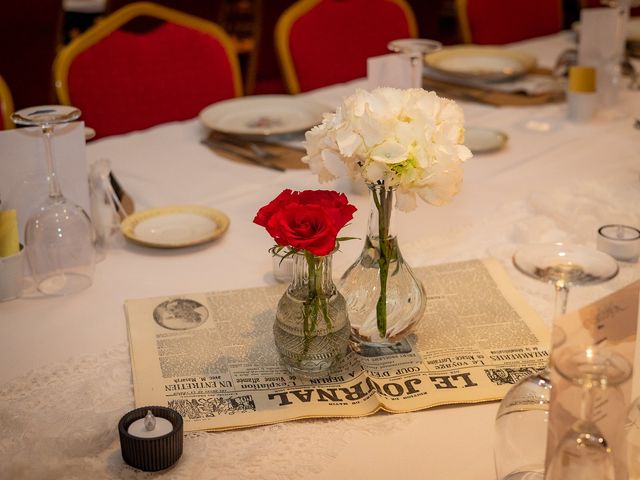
(59,237)
(522,418)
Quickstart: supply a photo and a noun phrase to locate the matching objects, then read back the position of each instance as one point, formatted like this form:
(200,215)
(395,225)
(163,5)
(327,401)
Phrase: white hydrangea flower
(408,139)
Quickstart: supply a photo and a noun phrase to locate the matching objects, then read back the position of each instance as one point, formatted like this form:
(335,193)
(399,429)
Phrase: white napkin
(391,70)
(23,173)
(530,84)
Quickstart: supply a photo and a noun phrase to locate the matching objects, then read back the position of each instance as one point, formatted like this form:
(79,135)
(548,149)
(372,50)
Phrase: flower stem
(316,301)
(383,205)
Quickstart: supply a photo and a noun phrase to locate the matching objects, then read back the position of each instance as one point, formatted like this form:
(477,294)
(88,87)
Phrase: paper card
(610,323)
(391,70)
(23,171)
(601,45)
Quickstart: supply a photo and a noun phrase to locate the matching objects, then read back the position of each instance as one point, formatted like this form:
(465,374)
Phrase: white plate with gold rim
(480,62)
(262,115)
(175,226)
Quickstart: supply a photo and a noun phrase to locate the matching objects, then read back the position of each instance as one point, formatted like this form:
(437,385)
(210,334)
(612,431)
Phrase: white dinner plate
(263,115)
(175,227)
(479,62)
(483,140)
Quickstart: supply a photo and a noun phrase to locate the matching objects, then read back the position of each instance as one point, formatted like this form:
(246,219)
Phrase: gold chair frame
(6,105)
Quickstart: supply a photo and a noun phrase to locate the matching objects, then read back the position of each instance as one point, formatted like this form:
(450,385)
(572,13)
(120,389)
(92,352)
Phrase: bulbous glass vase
(311,329)
(384,298)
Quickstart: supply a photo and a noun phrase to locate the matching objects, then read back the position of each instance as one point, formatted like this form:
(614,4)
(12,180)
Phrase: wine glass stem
(562,294)
(416,69)
(54,187)
(586,407)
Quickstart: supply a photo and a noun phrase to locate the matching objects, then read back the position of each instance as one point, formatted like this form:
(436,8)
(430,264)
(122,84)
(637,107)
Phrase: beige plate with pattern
(175,226)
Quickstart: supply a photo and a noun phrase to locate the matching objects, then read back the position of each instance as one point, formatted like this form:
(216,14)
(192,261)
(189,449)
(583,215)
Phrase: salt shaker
(581,93)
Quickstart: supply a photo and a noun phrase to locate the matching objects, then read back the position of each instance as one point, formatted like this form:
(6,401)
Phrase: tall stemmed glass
(583,451)
(415,49)
(522,418)
(59,237)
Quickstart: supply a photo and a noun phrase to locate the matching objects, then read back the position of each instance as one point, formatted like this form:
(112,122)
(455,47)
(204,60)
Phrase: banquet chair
(124,81)
(6,106)
(211,10)
(496,22)
(322,42)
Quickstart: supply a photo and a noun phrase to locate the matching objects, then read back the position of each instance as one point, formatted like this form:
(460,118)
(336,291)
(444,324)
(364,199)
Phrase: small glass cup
(622,242)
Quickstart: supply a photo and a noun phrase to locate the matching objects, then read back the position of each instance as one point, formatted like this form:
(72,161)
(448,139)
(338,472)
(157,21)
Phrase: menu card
(609,323)
(23,171)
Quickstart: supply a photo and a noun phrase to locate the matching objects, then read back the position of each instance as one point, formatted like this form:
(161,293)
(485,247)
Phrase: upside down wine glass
(59,237)
(583,451)
(415,49)
(522,418)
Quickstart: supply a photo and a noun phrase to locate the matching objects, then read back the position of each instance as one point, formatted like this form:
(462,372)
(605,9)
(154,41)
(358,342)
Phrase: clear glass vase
(312,329)
(384,298)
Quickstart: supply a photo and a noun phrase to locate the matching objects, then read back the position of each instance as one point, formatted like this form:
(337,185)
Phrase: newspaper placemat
(212,357)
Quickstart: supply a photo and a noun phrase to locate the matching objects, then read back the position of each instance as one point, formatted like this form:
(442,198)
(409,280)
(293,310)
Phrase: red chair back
(124,81)
(322,42)
(496,22)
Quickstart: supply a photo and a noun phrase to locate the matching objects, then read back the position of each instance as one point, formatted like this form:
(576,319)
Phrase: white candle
(622,242)
(150,427)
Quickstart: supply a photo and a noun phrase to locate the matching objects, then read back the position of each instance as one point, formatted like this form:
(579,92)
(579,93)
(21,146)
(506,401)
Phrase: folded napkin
(9,243)
(286,156)
(535,88)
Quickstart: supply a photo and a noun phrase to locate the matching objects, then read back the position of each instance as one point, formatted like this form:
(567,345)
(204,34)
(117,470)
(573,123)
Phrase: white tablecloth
(64,363)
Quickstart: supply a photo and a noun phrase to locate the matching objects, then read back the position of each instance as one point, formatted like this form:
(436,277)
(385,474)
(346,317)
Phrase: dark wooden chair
(30,34)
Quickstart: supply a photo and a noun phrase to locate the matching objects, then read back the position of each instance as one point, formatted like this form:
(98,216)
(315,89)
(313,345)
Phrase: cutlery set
(268,153)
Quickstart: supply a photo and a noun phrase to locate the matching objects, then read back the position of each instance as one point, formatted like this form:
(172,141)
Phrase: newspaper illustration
(211,356)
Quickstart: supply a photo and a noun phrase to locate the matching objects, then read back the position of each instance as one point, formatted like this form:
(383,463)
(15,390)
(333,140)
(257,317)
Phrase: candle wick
(149,421)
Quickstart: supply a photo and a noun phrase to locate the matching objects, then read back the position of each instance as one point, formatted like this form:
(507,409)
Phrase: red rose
(263,215)
(334,203)
(308,220)
(304,227)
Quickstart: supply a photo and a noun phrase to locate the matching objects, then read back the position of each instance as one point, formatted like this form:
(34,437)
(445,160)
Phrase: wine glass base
(64,283)
(525,475)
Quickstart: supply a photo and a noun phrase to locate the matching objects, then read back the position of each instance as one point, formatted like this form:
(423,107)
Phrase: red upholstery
(504,21)
(130,81)
(332,41)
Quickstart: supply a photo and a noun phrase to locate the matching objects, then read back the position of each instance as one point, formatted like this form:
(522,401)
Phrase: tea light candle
(151,438)
(622,242)
(150,426)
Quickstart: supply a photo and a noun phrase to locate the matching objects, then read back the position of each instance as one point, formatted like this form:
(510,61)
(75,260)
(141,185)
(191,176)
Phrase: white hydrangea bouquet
(404,144)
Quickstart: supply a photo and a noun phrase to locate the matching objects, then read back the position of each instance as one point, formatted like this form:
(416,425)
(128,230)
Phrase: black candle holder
(151,454)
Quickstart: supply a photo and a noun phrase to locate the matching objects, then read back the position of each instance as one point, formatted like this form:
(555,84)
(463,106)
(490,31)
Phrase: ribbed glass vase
(312,329)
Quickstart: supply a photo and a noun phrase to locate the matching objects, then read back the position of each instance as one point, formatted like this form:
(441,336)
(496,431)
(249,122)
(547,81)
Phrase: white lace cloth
(64,362)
